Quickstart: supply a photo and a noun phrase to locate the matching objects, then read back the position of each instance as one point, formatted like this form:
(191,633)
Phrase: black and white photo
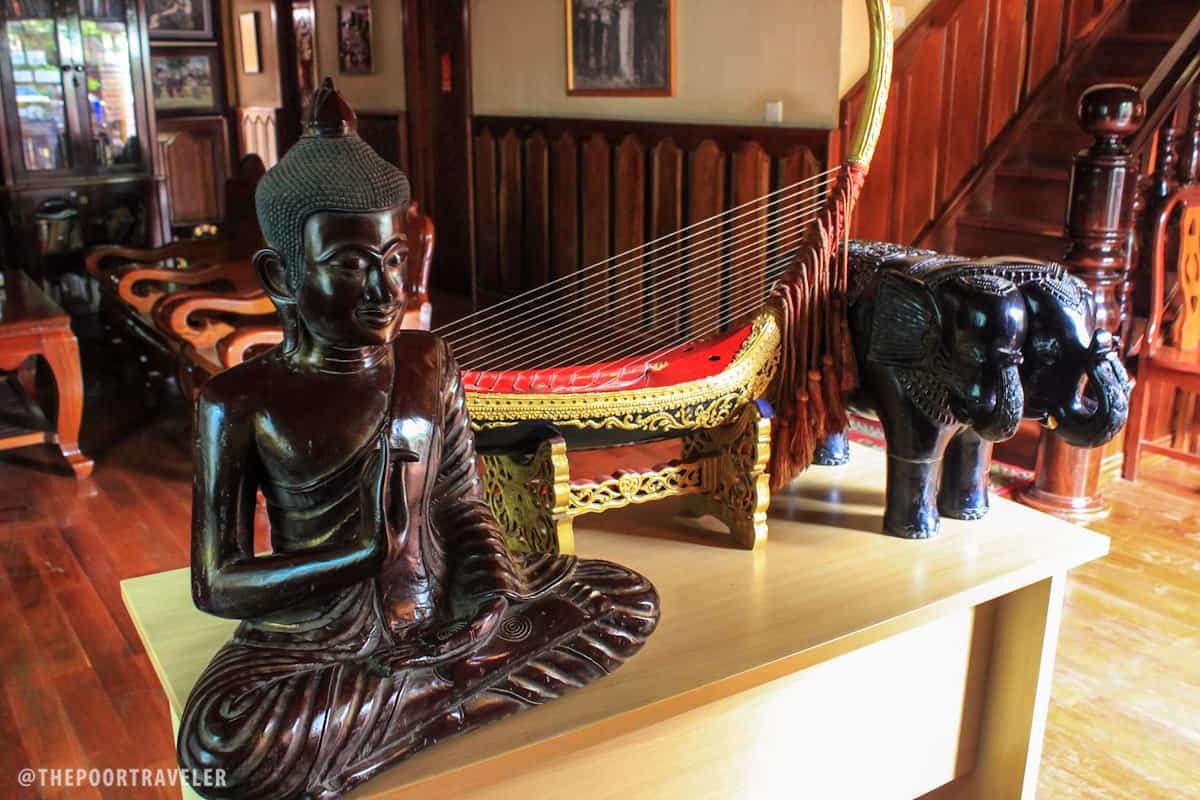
(620,47)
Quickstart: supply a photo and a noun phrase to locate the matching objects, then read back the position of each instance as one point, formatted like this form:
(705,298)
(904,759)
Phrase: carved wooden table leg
(32,325)
(62,354)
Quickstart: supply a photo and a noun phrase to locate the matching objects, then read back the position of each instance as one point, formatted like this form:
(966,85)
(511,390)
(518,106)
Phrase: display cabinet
(77,132)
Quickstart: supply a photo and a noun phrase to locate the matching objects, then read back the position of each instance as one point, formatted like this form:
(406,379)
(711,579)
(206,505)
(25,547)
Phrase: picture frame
(179,19)
(356,29)
(248,33)
(621,49)
(186,80)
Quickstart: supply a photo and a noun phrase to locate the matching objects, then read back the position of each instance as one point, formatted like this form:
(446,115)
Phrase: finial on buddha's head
(328,169)
(329,114)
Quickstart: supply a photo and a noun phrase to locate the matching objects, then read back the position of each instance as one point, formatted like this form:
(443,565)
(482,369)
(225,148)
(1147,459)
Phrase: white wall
(733,56)
(382,90)
(855,36)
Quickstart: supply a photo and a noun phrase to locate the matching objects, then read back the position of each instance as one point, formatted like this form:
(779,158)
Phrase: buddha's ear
(268,265)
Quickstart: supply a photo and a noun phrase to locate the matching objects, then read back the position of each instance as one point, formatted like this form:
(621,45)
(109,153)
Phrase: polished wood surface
(554,195)
(194,155)
(963,71)
(1014,198)
(31,325)
(827,583)
(1160,364)
(1100,223)
(79,690)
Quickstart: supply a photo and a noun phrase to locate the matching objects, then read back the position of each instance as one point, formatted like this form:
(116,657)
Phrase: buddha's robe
(312,700)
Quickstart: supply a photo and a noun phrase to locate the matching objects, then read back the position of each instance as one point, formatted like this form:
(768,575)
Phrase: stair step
(1121,56)
(979,236)
(1031,196)
(1157,16)
(1049,144)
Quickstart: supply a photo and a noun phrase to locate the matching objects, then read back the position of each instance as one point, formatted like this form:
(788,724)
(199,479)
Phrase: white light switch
(774,111)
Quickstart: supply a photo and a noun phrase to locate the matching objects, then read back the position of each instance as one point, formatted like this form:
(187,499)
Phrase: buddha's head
(333,215)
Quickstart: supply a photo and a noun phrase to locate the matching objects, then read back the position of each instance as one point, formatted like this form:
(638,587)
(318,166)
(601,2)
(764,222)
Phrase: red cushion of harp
(687,362)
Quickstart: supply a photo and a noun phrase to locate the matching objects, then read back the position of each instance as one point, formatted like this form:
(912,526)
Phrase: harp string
(572,329)
(786,222)
(505,307)
(520,333)
(707,300)
(679,252)
(641,360)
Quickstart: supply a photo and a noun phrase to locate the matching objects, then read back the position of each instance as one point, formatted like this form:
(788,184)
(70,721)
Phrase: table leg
(1024,642)
(62,354)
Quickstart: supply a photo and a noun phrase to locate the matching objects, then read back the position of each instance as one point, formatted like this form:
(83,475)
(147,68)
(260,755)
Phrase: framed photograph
(179,19)
(621,47)
(184,80)
(248,30)
(354,38)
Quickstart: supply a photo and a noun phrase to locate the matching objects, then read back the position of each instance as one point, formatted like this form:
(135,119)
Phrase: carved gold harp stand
(727,334)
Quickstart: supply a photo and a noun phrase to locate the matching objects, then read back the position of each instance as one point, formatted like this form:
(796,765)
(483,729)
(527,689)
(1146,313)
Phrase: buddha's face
(353,288)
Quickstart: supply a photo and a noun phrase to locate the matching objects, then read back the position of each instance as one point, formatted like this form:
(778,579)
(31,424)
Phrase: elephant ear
(907,323)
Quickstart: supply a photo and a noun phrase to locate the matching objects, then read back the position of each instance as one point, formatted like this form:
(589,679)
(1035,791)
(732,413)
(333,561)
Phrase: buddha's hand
(447,641)
(373,484)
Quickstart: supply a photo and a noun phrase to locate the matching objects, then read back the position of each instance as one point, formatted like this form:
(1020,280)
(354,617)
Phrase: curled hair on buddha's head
(329,169)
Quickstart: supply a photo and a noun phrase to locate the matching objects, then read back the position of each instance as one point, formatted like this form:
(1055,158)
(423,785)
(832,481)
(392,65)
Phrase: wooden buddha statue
(389,614)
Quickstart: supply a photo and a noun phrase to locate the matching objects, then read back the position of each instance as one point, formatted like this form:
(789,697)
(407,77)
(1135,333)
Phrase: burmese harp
(678,336)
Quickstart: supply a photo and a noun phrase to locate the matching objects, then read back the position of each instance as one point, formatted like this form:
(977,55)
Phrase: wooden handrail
(1177,70)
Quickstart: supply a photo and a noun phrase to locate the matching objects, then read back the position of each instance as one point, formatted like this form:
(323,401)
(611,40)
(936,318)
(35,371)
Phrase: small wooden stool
(31,324)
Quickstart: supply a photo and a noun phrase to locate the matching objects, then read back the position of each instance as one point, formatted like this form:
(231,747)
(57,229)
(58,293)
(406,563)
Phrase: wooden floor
(78,690)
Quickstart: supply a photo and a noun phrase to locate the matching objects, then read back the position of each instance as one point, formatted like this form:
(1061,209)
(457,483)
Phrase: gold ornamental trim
(702,403)
(879,81)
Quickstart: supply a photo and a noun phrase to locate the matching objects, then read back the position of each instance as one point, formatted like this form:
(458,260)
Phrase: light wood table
(833,662)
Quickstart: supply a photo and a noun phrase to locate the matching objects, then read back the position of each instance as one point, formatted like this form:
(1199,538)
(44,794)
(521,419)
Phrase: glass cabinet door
(108,82)
(38,74)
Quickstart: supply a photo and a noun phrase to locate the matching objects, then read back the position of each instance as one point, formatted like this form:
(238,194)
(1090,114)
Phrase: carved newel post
(1100,219)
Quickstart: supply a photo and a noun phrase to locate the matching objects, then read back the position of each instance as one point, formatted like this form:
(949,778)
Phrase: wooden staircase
(1017,203)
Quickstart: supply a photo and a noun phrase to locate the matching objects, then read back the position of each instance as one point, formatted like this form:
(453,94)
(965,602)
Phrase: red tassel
(811,301)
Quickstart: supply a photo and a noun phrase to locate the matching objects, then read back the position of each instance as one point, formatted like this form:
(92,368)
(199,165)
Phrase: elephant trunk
(1004,419)
(1094,416)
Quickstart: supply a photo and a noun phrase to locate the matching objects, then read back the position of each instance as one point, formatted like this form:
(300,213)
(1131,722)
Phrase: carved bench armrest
(132,287)
(173,314)
(232,348)
(194,250)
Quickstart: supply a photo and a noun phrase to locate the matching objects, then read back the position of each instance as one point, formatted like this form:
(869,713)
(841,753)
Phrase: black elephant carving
(1070,377)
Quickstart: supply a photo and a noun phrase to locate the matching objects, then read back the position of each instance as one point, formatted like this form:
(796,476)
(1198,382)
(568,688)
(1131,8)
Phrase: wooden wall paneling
(875,212)
(1045,37)
(564,224)
(487,216)
(963,81)
(919,109)
(705,249)
(1005,68)
(748,229)
(666,217)
(194,155)
(787,230)
(597,225)
(629,232)
(537,209)
(384,131)
(564,210)
(511,225)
